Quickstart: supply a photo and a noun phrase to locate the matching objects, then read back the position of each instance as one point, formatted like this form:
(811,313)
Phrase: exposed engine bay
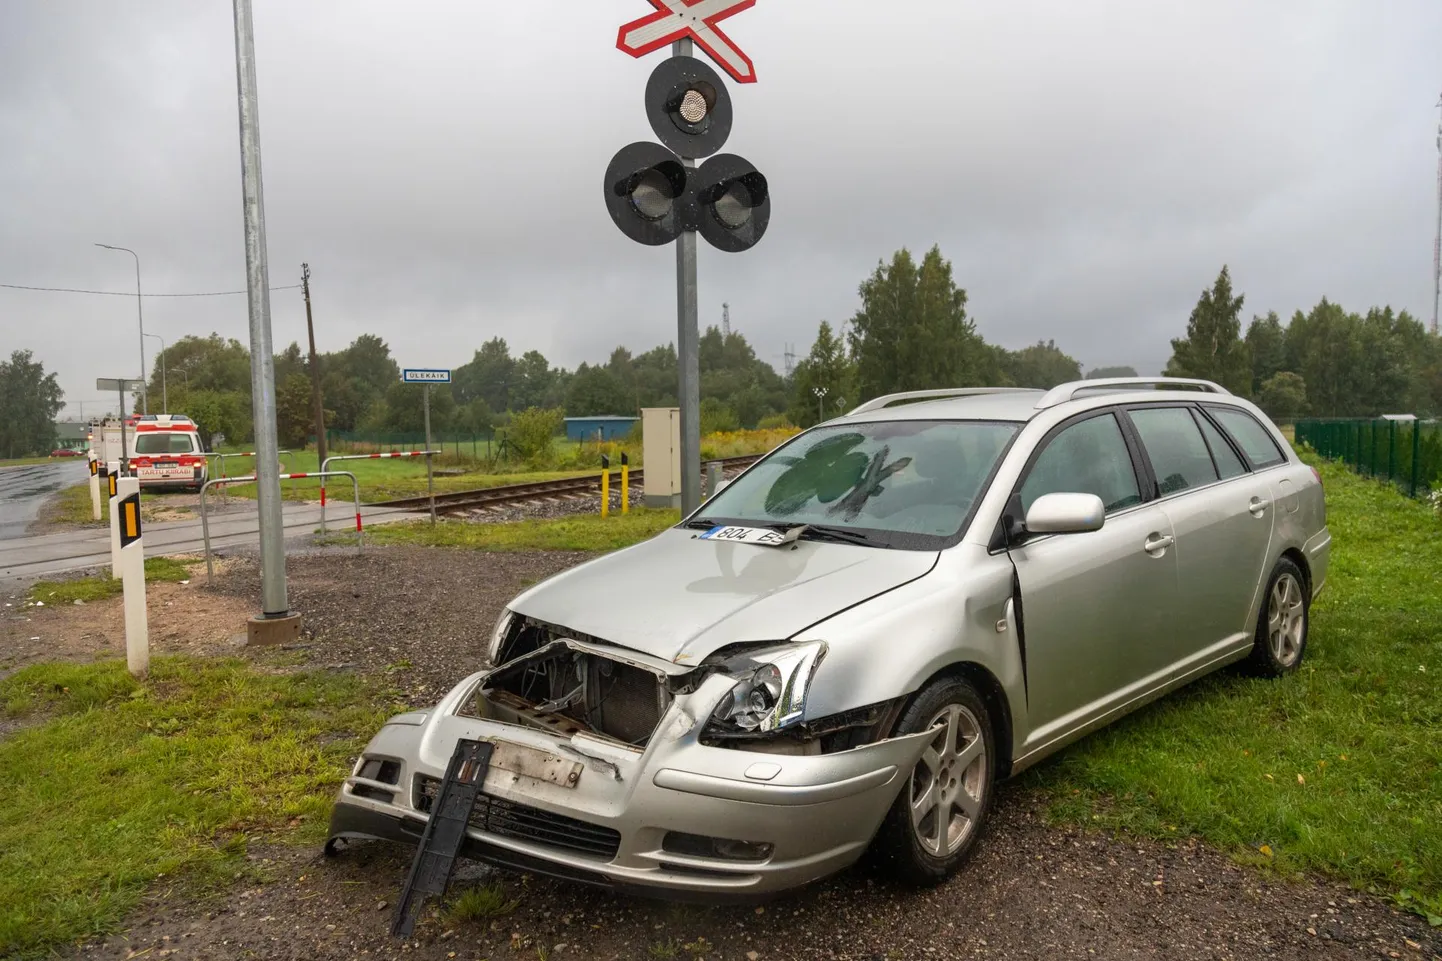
(550,679)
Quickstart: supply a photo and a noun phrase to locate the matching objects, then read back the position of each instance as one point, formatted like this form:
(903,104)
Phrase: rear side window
(1227,461)
(1175,447)
(1089,457)
(1254,439)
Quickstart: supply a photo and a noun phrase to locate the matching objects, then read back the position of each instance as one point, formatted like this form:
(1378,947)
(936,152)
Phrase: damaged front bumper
(675,818)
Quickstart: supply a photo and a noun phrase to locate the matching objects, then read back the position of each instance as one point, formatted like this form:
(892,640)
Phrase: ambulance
(165,451)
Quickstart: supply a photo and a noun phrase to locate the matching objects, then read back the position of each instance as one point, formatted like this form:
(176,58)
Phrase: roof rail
(889,399)
(1065,392)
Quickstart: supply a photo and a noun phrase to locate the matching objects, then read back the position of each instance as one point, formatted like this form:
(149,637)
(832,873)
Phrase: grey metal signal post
(688,348)
(426,378)
(276,623)
(120,386)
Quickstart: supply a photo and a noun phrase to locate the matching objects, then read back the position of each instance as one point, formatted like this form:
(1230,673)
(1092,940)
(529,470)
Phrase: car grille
(524,823)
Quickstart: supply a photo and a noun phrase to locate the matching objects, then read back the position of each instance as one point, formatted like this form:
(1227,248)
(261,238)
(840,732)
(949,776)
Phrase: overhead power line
(121,293)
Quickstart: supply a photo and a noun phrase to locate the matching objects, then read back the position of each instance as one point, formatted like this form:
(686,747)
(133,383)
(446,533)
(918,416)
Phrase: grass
(1336,769)
(101,586)
(28,461)
(482,902)
(119,782)
(583,532)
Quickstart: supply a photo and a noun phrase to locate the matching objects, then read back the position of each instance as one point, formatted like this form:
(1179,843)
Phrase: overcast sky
(1086,166)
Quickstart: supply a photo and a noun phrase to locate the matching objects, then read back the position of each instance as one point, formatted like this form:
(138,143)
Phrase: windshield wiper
(842,534)
(700,524)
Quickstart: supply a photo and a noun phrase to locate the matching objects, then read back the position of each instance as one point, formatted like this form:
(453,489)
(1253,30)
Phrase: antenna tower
(790,357)
(726,319)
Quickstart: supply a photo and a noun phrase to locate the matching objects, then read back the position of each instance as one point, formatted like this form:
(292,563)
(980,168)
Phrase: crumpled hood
(680,598)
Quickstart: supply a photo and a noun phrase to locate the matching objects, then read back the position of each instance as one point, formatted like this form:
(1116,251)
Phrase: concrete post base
(272,631)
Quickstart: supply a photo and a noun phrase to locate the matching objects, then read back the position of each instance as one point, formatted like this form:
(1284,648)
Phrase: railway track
(458,501)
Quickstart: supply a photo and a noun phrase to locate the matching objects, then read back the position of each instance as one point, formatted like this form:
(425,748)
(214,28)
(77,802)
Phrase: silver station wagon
(843,649)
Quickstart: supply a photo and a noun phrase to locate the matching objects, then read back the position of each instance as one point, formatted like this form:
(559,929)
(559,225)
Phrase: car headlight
(498,634)
(770,691)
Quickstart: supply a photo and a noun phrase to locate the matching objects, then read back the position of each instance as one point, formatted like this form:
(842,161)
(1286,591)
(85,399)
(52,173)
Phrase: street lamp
(164,394)
(183,373)
(820,393)
(140,315)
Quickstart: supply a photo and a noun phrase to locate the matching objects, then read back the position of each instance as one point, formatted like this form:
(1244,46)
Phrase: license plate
(512,762)
(764,536)
(167,466)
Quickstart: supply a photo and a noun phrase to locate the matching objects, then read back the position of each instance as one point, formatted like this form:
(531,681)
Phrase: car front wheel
(933,826)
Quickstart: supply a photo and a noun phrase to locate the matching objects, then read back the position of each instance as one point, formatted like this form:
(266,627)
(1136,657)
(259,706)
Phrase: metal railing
(205,518)
(325,466)
(1407,453)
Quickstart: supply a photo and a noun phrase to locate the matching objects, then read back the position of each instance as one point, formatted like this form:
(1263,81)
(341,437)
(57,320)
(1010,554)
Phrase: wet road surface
(24,489)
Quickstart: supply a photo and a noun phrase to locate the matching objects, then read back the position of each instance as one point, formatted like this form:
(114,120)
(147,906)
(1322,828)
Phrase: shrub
(532,432)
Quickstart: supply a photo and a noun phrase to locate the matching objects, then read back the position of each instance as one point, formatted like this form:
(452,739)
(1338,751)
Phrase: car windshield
(163,443)
(908,483)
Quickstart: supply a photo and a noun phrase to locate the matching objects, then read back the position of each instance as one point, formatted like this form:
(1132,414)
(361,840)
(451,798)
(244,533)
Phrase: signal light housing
(733,203)
(647,193)
(688,107)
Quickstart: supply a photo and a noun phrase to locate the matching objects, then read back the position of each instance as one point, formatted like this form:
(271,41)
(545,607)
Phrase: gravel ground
(418,619)
(1031,892)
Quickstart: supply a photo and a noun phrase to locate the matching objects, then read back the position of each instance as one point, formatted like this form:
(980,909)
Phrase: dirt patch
(1031,892)
(183,619)
(420,618)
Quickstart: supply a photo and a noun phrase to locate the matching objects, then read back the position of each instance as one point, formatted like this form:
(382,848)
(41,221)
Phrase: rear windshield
(911,483)
(164,443)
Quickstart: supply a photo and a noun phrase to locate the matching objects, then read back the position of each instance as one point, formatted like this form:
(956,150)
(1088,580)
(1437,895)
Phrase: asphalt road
(24,489)
(24,557)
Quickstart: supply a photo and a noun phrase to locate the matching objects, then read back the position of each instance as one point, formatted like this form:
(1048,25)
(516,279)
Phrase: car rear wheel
(1281,637)
(939,813)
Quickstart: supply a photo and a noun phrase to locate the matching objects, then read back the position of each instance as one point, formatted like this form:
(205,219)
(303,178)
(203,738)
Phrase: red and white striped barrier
(326,466)
(221,482)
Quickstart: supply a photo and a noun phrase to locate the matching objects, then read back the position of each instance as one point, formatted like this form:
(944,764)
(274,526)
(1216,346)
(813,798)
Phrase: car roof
(1020,404)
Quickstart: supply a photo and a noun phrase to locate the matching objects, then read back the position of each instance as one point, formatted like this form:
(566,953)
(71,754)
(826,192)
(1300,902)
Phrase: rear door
(1222,516)
(1093,604)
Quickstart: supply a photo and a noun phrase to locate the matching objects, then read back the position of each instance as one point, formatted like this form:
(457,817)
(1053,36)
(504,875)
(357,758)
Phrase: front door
(1093,604)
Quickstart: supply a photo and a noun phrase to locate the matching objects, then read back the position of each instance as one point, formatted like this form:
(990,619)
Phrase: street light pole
(183,373)
(164,393)
(140,315)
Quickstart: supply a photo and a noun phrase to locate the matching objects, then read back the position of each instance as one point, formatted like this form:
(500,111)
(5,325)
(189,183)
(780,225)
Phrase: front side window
(1251,437)
(1174,444)
(163,443)
(1089,457)
(910,483)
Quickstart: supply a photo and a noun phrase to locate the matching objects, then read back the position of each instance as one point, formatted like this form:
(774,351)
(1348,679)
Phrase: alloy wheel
(949,782)
(1286,619)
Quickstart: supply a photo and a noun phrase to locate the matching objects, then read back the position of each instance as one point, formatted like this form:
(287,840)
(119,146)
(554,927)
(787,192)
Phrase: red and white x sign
(677,19)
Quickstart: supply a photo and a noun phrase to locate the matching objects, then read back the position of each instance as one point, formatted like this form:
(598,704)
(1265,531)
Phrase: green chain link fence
(1407,453)
(477,446)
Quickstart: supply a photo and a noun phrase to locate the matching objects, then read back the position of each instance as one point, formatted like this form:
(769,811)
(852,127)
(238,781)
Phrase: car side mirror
(1065,514)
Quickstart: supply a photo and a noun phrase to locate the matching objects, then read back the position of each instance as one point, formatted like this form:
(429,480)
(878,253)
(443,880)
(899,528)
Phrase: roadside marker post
(112,479)
(427,377)
(625,483)
(125,509)
(94,488)
(605,486)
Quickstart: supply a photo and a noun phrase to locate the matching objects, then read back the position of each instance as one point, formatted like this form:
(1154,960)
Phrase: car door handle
(1259,506)
(1158,542)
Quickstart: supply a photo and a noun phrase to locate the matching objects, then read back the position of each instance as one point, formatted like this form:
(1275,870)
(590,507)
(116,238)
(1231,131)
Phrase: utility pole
(276,623)
(315,399)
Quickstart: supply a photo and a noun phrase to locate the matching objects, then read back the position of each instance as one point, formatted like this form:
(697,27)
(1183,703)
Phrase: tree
(356,380)
(535,382)
(1213,348)
(406,408)
(597,391)
(209,363)
(1283,396)
(294,418)
(1267,345)
(912,331)
(491,375)
(826,367)
(1096,373)
(1042,365)
(30,399)
(717,417)
(219,412)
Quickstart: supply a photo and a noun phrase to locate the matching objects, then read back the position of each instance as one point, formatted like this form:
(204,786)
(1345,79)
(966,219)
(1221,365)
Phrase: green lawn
(120,782)
(27,461)
(582,532)
(1336,769)
(98,588)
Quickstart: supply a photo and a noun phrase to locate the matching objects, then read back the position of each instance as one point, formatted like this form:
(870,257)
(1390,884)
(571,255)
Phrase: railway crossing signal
(656,194)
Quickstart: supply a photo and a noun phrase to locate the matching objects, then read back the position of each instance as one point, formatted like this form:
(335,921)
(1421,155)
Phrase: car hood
(679,597)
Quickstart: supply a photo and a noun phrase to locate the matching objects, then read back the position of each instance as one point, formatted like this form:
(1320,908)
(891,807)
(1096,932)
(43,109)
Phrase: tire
(916,850)
(1283,622)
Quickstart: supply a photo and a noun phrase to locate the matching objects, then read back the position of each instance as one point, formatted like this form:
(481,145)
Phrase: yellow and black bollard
(605,486)
(625,483)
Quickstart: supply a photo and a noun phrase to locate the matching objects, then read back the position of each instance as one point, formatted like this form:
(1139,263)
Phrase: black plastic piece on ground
(445,832)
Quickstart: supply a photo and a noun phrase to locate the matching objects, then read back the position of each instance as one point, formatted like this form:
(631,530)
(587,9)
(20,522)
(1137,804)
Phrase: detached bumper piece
(445,831)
